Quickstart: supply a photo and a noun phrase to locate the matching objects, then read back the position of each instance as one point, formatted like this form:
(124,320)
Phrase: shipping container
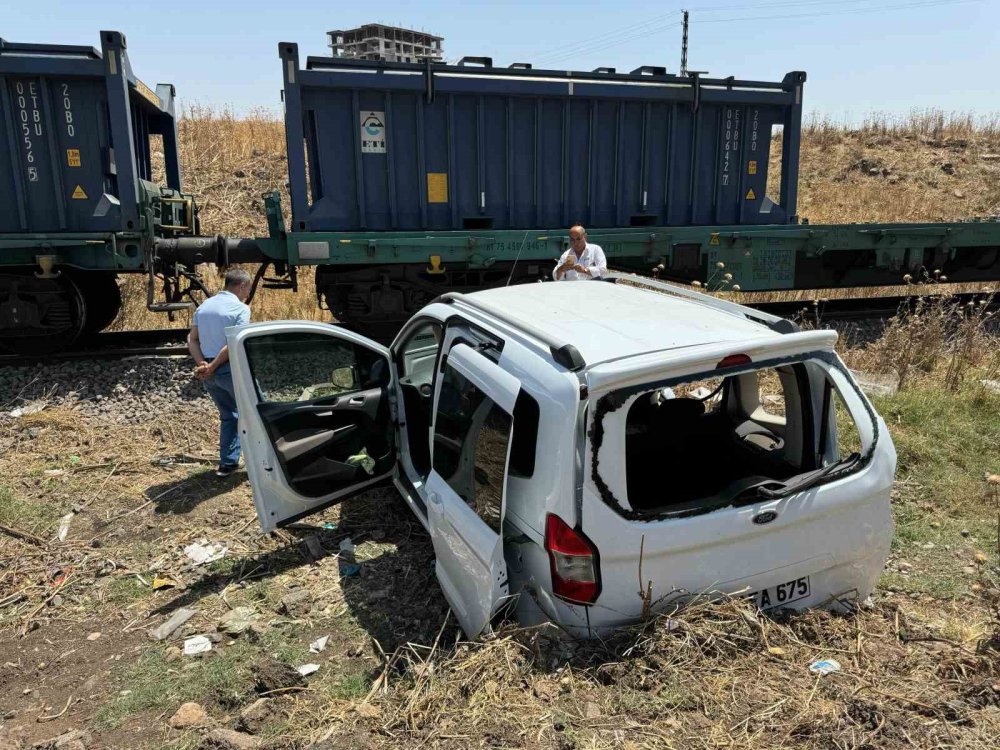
(76,127)
(377,146)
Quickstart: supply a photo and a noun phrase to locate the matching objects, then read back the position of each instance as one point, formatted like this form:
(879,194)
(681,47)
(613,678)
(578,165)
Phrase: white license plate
(782,594)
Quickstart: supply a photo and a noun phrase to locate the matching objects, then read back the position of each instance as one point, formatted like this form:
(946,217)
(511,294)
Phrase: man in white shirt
(582,260)
(207,344)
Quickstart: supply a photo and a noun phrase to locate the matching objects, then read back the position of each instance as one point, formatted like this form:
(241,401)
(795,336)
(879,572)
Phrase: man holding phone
(582,260)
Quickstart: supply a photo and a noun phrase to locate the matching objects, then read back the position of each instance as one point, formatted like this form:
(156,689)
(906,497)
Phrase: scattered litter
(162,582)
(54,472)
(318,645)
(347,550)
(58,576)
(202,552)
(197,644)
(64,523)
(93,636)
(329,525)
(313,547)
(349,569)
(23,411)
(239,620)
(177,619)
(363,460)
(824,666)
(307,669)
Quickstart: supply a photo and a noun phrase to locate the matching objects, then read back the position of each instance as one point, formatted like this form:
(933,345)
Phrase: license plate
(782,594)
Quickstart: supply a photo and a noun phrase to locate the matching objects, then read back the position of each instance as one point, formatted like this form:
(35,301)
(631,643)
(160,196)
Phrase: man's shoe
(225,471)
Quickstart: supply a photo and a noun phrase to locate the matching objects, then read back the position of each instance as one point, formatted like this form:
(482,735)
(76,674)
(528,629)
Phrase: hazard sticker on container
(714,239)
(79,194)
(751,195)
(437,187)
(73,157)
(752,166)
(372,132)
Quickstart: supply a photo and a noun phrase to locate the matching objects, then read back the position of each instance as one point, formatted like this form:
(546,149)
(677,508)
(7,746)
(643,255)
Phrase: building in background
(374,41)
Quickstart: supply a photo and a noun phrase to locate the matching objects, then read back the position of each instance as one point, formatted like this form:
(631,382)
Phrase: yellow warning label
(73,157)
(79,194)
(751,195)
(714,239)
(752,166)
(148,94)
(437,187)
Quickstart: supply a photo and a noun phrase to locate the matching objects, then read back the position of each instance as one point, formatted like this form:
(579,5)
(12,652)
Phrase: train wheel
(39,316)
(102,298)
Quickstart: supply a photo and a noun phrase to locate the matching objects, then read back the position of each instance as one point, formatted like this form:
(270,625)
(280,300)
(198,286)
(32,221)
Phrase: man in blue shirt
(207,344)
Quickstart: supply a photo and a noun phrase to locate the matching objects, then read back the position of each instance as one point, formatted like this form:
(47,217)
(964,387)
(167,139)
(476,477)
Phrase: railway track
(161,342)
(172,341)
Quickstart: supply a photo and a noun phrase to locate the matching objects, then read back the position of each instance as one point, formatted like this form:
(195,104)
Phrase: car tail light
(573,562)
(733,360)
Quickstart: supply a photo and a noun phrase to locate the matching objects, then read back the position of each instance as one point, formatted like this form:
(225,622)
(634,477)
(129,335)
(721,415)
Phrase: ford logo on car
(766,517)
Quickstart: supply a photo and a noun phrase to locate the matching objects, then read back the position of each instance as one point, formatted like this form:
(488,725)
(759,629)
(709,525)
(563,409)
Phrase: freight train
(411,179)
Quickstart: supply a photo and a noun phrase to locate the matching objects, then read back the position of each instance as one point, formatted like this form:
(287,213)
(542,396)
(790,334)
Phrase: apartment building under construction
(374,41)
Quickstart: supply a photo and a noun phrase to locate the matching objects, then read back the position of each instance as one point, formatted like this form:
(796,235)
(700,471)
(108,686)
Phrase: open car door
(466,488)
(316,407)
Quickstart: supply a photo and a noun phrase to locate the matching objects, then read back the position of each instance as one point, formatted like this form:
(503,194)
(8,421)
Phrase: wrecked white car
(584,452)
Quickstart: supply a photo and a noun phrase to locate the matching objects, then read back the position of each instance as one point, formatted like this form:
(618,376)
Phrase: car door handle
(356,400)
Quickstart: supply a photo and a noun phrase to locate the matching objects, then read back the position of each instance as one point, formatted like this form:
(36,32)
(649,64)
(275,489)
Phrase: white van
(587,452)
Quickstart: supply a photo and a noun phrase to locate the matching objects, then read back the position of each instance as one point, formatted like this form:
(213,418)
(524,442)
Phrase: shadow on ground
(393,594)
(186,493)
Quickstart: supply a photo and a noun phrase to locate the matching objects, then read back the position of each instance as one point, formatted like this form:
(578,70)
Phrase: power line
(849,11)
(648,32)
(631,28)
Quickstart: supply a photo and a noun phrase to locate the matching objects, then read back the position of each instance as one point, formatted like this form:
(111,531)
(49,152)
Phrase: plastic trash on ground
(347,550)
(824,666)
(64,523)
(202,552)
(318,645)
(307,669)
(197,644)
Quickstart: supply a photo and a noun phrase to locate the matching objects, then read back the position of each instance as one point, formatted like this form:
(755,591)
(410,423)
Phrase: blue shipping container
(75,127)
(420,146)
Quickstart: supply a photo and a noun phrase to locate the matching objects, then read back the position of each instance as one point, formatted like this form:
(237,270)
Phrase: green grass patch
(126,589)
(27,515)
(946,443)
(350,686)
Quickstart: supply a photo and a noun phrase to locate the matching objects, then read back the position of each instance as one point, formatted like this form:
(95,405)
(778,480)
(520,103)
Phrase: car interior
(324,403)
(702,443)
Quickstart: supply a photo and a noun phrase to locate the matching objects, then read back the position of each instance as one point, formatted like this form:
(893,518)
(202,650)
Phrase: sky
(861,56)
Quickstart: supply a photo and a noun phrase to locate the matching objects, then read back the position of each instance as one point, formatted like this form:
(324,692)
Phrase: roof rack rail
(774,322)
(563,353)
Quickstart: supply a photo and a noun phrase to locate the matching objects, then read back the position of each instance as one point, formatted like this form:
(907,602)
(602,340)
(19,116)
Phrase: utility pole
(684,46)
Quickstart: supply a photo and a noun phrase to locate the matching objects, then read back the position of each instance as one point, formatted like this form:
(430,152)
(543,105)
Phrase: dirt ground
(919,668)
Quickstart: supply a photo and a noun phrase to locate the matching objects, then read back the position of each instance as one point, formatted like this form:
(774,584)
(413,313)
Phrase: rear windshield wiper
(807,480)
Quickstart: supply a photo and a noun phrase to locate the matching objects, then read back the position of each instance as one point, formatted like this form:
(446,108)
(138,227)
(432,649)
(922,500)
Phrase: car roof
(607,321)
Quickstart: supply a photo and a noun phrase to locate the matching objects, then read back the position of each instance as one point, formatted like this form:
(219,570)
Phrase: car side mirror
(345,378)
